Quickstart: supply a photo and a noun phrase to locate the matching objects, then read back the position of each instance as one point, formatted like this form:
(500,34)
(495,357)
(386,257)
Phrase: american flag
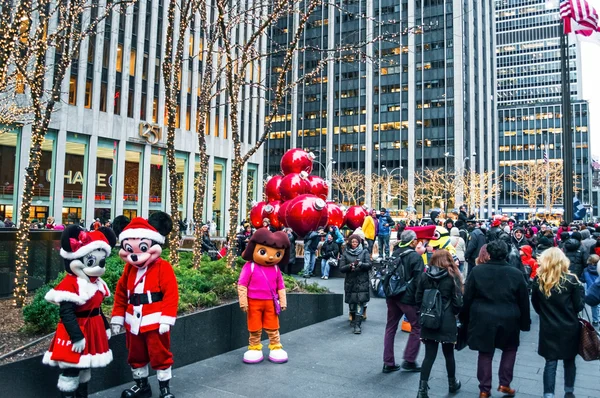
(545,157)
(583,14)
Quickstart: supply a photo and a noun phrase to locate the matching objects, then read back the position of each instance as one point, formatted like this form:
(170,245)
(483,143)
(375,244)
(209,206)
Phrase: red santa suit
(88,297)
(144,299)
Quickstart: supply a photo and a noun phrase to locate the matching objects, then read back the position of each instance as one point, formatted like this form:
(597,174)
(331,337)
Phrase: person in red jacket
(146,300)
(528,260)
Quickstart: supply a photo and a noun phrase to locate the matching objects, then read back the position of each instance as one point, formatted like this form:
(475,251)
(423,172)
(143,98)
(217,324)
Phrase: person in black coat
(476,241)
(355,263)
(572,249)
(496,309)
(329,250)
(557,296)
(445,276)
(405,305)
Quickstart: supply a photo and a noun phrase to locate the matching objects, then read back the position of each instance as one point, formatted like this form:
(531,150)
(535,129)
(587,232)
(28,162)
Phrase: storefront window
(75,170)
(157,171)
(251,188)
(105,164)
(42,192)
(218,194)
(8,160)
(71,215)
(180,164)
(132,178)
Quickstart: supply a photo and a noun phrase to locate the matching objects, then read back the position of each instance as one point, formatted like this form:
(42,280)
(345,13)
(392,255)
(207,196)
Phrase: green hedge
(211,285)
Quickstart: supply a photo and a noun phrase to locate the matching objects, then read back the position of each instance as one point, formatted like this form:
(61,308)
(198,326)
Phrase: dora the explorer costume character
(262,292)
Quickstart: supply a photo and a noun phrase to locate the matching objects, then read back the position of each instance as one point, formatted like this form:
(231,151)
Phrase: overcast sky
(590,54)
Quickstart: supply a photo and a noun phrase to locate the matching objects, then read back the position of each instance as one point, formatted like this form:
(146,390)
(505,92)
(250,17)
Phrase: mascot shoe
(254,356)
(278,356)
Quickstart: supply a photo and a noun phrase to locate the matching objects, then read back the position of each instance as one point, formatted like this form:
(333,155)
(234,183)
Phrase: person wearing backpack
(398,306)
(495,311)
(439,295)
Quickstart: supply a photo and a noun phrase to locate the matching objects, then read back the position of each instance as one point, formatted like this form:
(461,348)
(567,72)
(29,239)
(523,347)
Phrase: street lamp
(389,173)
(327,178)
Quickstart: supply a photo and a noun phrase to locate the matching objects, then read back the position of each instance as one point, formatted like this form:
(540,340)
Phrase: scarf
(355,252)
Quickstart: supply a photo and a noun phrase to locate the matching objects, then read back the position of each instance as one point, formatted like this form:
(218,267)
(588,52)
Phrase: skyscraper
(416,81)
(529,97)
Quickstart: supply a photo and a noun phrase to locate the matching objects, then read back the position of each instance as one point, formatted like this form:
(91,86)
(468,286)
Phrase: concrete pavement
(327,360)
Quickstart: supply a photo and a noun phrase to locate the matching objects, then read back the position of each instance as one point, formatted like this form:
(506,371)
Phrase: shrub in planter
(41,316)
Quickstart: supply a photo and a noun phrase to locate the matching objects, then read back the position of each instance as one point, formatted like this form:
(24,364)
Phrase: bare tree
(33,33)
(349,184)
(529,182)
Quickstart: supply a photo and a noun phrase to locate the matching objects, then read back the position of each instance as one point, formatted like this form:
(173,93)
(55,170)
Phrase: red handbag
(62,349)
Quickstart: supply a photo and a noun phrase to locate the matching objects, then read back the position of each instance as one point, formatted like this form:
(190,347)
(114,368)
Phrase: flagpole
(548,196)
(567,136)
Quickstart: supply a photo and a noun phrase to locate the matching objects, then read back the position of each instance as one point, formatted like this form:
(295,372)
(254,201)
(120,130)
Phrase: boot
(355,323)
(70,394)
(82,391)
(423,390)
(164,389)
(453,385)
(140,390)
(364,314)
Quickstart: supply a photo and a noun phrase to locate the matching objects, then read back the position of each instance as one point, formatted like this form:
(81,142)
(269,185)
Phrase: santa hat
(139,228)
(85,243)
(424,232)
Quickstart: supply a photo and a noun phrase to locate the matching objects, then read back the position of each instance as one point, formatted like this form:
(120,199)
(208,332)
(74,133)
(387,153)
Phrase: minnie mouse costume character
(261,292)
(146,300)
(81,339)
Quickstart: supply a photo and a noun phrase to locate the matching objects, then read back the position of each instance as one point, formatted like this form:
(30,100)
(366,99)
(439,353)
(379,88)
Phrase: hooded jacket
(528,260)
(413,267)
(383,220)
(439,278)
(590,273)
(433,218)
(571,249)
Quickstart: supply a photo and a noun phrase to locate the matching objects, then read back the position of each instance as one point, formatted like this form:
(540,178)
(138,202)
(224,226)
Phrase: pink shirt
(258,285)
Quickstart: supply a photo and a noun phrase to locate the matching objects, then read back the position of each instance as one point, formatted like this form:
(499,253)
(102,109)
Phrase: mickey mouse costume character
(261,292)
(146,300)
(81,339)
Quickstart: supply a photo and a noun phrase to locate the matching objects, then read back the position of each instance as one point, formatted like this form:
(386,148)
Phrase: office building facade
(105,152)
(529,99)
(409,82)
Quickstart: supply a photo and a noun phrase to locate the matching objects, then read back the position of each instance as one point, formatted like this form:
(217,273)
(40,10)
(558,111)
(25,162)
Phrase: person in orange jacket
(528,261)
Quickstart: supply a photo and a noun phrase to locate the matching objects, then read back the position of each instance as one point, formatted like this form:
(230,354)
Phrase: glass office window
(75,170)
(218,194)
(157,171)
(132,179)
(8,161)
(106,158)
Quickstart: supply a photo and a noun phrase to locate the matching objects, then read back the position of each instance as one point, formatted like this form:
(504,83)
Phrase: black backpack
(394,280)
(432,309)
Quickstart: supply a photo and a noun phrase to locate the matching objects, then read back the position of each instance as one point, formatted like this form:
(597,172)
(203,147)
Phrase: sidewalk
(327,360)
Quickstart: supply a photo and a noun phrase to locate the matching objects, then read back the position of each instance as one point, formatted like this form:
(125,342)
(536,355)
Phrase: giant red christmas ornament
(318,186)
(281,212)
(335,215)
(293,185)
(355,215)
(272,188)
(306,213)
(296,160)
(257,214)
(271,210)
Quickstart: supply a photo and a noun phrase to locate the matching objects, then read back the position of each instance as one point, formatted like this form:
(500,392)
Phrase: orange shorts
(261,315)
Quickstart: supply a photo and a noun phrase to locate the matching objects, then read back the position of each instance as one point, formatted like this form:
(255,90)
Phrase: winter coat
(451,303)
(433,218)
(329,250)
(559,327)
(385,224)
(592,298)
(528,260)
(474,245)
(337,235)
(207,244)
(356,284)
(590,274)
(369,227)
(575,255)
(586,244)
(459,244)
(496,307)
(311,241)
(413,268)
(520,243)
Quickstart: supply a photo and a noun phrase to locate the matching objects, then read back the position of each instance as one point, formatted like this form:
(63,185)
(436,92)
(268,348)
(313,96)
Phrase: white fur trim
(141,233)
(85,375)
(67,384)
(117,320)
(86,290)
(85,361)
(83,250)
(140,373)
(169,320)
(136,323)
(163,375)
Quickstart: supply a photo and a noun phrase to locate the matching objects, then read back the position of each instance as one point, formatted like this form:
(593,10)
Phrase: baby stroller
(375,275)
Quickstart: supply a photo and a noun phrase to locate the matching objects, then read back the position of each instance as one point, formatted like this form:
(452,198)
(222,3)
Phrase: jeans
(550,376)
(505,371)
(595,309)
(395,311)
(324,268)
(309,262)
(384,246)
(431,350)
(370,243)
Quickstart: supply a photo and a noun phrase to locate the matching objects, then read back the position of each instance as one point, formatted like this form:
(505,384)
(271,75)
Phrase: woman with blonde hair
(557,296)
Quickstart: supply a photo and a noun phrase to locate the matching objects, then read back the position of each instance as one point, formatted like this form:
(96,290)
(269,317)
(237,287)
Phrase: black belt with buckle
(88,314)
(142,298)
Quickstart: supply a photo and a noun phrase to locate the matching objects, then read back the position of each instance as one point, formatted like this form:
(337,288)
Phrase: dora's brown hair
(263,236)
